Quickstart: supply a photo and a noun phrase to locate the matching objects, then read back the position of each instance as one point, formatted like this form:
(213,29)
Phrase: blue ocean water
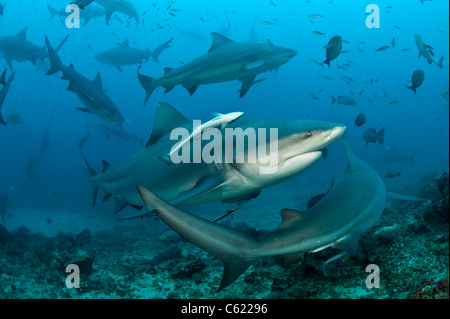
(56,178)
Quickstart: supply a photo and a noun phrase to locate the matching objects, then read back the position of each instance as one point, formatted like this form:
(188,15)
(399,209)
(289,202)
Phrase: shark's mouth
(304,156)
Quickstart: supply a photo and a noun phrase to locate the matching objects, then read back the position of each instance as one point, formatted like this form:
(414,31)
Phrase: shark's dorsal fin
(23,33)
(349,150)
(218,40)
(166,118)
(71,66)
(289,216)
(125,43)
(98,80)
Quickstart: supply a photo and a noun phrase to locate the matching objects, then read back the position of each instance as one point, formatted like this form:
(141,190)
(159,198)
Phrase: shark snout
(291,53)
(337,132)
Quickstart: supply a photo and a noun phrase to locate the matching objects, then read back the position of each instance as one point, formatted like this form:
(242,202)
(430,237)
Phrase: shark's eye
(308,134)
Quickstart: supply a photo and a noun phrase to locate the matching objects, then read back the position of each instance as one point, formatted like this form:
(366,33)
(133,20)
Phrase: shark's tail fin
(439,61)
(380,136)
(233,248)
(52,11)
(55,62)
(148,84)
(327,62)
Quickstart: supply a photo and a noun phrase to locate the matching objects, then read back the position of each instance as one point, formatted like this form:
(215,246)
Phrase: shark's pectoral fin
(247,82)
(349,244)
(9,62)
(86,110)
(240,199)
(191,86)
(202,187)
(233,269)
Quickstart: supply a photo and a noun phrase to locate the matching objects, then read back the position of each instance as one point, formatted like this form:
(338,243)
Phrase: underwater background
(48,188)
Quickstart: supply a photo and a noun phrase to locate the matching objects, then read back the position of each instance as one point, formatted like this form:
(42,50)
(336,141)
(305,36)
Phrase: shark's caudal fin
(148,84)
(232,247)
(439,61)
(55,62)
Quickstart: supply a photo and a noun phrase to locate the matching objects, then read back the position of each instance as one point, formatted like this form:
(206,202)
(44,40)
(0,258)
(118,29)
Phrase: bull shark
(122,6)
(87,14)
(82,3)
(226,60)
(18,48)
(126,55)
(427,51)
(351,207)
(90,93)
(300,145)
(4,91)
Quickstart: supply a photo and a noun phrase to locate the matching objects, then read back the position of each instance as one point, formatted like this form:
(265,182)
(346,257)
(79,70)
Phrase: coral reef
(410,244)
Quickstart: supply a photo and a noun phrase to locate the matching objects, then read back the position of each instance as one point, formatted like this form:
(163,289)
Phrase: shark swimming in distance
(300,145)
(90,93)
(352,206)
(226,60)
(18,48)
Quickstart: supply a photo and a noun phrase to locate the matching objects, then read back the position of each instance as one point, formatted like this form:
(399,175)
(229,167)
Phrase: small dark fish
(394,102)
(417,79)
(267,22)
(371,136)
(315,15)
(333,49)
(383,48)
(344,100)
(318,33)
(48,220)
(360,120)
(120,270)
(83,238)
(392,174)
(393,42)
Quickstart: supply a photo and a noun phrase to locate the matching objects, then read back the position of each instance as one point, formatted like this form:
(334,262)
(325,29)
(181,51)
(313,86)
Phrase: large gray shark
(18,48)
(123,6)
(87,14)
(90,93)
(126,55)
(4,91)
(427,51)
(226,60)
(353,205)
(299,146)
(82,3)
